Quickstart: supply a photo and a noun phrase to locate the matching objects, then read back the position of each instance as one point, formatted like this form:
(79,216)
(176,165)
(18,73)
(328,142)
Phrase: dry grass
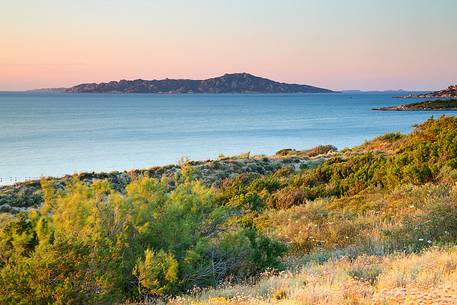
(428,278)
(345,229)
(358,221)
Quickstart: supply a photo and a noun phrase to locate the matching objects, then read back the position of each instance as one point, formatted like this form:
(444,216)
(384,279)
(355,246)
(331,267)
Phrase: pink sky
(361,44)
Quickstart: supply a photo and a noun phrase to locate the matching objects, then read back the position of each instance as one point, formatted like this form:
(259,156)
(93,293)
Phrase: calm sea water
(57,134)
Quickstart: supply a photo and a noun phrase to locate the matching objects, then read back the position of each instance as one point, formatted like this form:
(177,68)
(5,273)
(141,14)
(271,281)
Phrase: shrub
(391,137)
(368,274)
(90,244)
(286,198)
(157,274)
(320,150)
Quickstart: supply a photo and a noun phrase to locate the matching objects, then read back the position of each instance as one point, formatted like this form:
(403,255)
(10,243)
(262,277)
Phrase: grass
(427,278)
(408,216)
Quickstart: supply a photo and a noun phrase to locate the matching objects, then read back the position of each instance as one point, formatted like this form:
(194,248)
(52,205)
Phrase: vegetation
(89,244)
(429,278)
(313,152)
(373,224)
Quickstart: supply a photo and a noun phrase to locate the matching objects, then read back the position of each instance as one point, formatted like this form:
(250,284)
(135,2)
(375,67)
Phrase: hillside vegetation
(376,224)
(449,104)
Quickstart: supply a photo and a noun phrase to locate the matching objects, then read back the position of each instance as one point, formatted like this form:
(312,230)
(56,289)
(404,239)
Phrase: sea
(54,134)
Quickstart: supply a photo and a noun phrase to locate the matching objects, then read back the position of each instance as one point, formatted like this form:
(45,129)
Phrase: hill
(228,83)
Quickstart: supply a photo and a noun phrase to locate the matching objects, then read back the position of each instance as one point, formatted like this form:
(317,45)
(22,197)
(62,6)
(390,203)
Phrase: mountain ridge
(228,83)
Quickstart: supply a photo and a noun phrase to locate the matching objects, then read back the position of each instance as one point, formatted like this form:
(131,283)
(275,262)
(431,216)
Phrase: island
(450,105)
(228,83)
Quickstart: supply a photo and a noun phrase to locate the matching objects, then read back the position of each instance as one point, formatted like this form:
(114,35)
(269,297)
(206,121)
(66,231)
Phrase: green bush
(157,274)
(91,244)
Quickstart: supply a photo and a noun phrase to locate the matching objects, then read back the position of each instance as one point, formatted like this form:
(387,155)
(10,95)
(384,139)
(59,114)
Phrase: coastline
(26,195)
(395,108)
(433,105)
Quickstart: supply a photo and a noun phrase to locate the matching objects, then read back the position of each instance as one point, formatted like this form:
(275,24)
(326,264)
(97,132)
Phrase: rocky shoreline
(437,105)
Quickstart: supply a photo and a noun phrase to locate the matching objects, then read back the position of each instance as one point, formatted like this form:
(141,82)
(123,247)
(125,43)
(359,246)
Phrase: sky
(336,44)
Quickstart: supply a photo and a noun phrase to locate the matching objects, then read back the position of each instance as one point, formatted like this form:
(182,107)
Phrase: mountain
(450,92)
(228,83)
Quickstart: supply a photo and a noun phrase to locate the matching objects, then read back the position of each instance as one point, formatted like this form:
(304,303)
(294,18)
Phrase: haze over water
(58,134)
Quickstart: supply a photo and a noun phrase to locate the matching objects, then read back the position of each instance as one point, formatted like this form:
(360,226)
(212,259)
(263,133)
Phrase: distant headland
(445,100)
(228,83)
(450,92)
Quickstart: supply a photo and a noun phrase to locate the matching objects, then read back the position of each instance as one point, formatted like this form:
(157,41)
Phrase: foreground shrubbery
(354,214)
(89,244)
